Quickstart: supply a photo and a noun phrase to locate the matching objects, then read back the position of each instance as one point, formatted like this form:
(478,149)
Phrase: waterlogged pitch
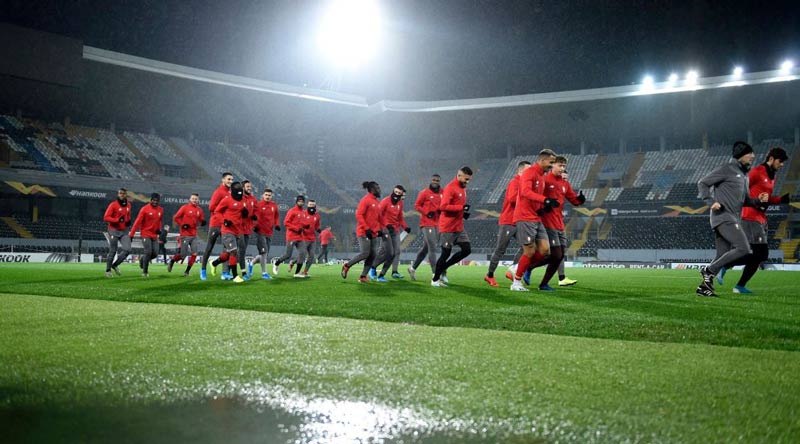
(623,356)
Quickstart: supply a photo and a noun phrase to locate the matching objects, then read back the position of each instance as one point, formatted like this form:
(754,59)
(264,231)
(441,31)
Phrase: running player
(507,229)
(454,210)
(214,226)
(188,218)
(294,221)
(233,211)
(268,220)
(311,226)
(368,227)
(149,222)
(391,208)
(118,218)
(427,205)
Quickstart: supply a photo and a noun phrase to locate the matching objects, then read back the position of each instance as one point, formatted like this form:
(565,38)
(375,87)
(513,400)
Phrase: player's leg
(504,235)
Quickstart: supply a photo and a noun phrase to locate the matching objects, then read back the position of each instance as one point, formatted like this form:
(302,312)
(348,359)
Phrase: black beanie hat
(299,198)
(740,149)
(155,196)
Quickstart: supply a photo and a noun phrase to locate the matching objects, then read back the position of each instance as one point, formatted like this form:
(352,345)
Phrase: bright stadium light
(672,79)
(648,83)
(786,67)
(691,77)
(737,72)
(350,31)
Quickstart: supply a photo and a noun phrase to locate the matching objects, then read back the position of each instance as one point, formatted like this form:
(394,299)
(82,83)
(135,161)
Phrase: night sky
(440,49)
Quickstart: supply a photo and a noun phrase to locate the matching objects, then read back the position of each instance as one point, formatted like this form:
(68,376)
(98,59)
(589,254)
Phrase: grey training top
(731,188)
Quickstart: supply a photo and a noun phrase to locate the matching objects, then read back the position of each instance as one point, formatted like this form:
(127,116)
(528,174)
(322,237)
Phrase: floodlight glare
(647,82)
(786,67)
(691,77)
(350,31)
(737,72)
(673,78)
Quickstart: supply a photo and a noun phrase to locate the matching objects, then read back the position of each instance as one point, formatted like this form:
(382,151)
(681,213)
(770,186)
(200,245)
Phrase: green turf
(630,356)
(649,305)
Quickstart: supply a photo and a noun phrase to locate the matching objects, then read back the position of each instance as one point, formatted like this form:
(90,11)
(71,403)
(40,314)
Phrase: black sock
(490,274)
(561,277)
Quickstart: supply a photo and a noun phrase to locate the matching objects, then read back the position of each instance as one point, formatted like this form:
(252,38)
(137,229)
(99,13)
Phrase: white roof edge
(706,83)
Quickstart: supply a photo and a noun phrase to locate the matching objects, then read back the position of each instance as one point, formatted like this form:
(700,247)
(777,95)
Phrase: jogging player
(725,189)
(232,211)
(149,222)
(454,210)
(754,219)
(427,205)
(507,229)
(368,227)
(249,201)
(531,205)
(188,218)
(557,187)
(215,225)
(325,238)
(311,227)
(268,220)
(391,208)
(294,221)
(118,218)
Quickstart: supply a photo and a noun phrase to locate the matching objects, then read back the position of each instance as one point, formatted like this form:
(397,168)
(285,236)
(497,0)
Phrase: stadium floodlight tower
(349,32)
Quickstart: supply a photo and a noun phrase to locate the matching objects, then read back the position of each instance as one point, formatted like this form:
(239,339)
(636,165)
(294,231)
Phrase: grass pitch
(624,356)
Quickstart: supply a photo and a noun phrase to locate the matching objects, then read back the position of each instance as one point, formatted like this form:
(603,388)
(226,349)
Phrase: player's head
(247,186)
(436,182)
(559,166)
(122,196)
(194,199)
(312,206)
(776,157)
(155,198)
(328,227)
(237,191)
(372,187)
(300,200)
(743,152)
(546,158)
(464,175)
(267,195)
(397,193)
(166,227)
(227,179)
(522,166)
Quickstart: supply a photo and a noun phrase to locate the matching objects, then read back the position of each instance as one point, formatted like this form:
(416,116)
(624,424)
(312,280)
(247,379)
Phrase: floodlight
(350,31)
(786,67)
(737,72)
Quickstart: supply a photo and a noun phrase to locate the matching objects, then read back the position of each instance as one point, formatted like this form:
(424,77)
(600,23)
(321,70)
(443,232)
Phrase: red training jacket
(392,214)
(294,222)
(530,196)
(231,209)
(760,183)
(149,221)
(326,236)
(557,188)
(454,198)
(428,201)
(216,198)
(509,202)
(368,216)
(312,220)
(268,217)
(114,212)
(189,214)
(250,203)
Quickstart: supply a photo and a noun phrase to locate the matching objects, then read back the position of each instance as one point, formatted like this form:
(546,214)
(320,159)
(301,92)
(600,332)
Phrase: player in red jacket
(188,218)
(391,208)
(311,226)
(531,206)
(368,229)
(215,224)
(427,205)
(268,220)
(149,222)
(248,223)
(118,218)
(325,238)
(295,222)
(754,219)
(507,229)
(454,210)
(557,187)
(233,212)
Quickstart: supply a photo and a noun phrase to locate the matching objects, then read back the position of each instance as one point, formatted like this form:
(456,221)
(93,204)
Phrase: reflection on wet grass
(228,420)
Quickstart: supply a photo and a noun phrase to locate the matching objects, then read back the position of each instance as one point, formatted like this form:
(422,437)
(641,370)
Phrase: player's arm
(419,204)
(361,213)
(448,202)
(277,220)
(137,223)
(573,197)
(178,217)
(216,198)
(511,194)
(109,215)
(715,177)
